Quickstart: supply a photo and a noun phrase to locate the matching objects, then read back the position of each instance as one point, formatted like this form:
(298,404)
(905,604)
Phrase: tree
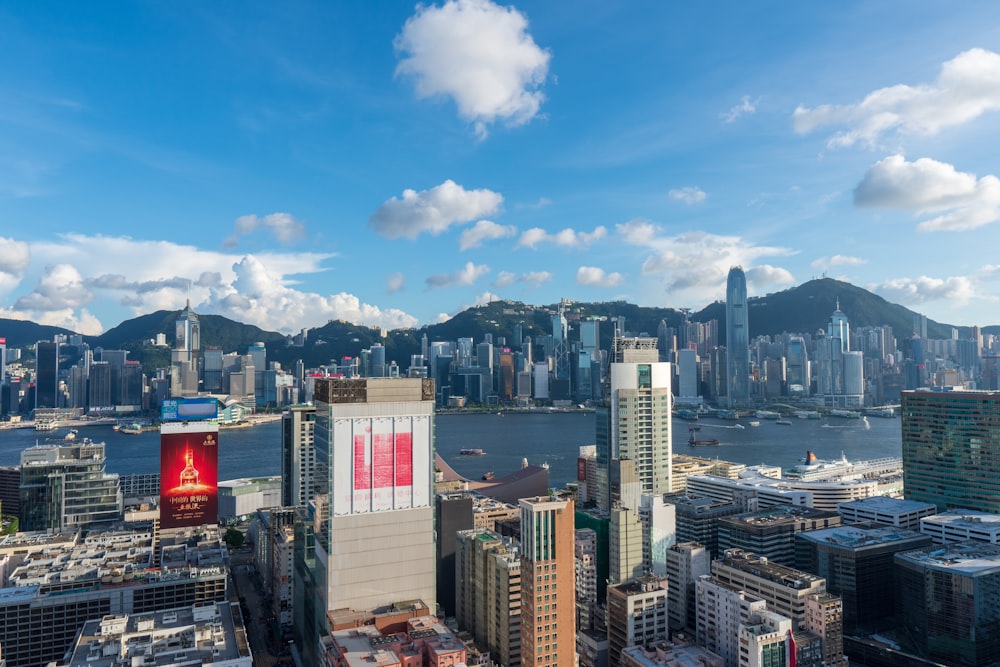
(234,538)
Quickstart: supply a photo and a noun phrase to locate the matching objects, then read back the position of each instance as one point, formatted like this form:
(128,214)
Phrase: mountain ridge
(805,308)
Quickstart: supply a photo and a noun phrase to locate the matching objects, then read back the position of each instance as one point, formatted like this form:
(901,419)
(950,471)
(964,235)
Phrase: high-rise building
(659,532)
(374,515)
(488,583)
(548,578)
(947,600)
(857,562)
(687,562)
(737,339)
(721,610)
(771,533)
(586,578)
(67,487)
(635,423)
(184,358)
(46,374)
(637,614)
(950,445)
(797,376)
(298,457)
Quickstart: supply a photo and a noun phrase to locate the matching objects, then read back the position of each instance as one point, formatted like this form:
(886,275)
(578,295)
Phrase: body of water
(543,437)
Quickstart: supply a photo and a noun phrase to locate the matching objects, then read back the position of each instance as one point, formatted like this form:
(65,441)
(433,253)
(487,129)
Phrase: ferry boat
(783,422)
(767,414)
(807,414)
(754,423)
(488,476)
(845,414)
(471,452)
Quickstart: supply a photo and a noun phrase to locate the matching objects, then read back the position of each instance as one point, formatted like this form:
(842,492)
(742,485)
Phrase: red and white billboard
(381,463)
(189,474)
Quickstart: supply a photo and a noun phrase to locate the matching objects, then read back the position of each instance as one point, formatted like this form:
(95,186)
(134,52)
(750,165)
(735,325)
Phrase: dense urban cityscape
(499,333)
(369,547)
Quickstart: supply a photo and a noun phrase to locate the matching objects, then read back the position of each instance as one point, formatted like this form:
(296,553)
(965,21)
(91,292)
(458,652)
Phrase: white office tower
(720,612)
(687,562)
(184,356)
(659,532)
(687,363)
(635,423)
(374,514)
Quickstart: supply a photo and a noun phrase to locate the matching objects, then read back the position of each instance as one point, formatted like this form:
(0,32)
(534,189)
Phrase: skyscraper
(548,583)
(47,374)
(184,356)
(950,445)
(374,514)
(298,458)
(737,339)
(635,423)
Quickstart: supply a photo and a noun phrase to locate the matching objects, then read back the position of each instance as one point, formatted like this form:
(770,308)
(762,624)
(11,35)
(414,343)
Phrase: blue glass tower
(737,339)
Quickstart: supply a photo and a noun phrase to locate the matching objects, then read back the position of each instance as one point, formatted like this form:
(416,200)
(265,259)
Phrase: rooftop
(970,557)
(862,535)
(202,634)
(781,514)
(972,519)
(887,505)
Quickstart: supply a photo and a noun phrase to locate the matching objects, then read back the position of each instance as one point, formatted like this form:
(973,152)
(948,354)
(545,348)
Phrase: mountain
(803,309)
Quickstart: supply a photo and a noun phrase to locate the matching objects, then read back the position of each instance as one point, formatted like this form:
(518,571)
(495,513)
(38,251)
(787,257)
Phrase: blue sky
(285,164)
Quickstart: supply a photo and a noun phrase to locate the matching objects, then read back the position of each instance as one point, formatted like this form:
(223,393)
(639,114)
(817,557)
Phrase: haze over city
(392,164)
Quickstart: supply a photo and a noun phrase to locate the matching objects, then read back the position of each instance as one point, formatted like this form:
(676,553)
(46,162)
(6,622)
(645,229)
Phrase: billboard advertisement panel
(189,474)
(189,409)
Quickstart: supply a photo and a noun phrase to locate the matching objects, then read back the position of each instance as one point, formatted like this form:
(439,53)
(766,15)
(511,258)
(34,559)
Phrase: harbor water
(507,438)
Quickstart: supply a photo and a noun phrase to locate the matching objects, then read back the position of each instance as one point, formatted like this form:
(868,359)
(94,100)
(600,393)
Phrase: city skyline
(393,165)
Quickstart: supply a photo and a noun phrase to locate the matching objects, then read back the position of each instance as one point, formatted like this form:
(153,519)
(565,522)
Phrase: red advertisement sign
(189,474)
(581,470)
(404,459)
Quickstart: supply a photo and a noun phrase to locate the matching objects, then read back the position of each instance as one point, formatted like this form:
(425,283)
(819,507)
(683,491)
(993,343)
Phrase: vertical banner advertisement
(189,474)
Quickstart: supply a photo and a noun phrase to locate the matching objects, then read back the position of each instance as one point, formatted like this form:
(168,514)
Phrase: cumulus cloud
(60,288)
(532,279)
(480,55)
(283,226)
(690,195)
(929,187)
(484,230)
(967,87)
(916,291)
(694,265)
(567,238)
(824,263)
(762,278)
(466,275)
(14,259)
(258,295)
(432,211)
(257,289)
(395,283)
(744,108)
(593,276)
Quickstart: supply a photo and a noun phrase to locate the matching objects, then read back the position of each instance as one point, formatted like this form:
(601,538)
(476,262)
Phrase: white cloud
(466,275)
(745,107)
(593,276)
(484,230)
(61,287)
(967,87)
(283,226)
(395,283)
(432,211)
(258,295)
(824,263)
(480,55)
(567,238)
(690,195)
(926,186)
(763,277)
(256,289)
(694,265)
(14,259)
(532,279)
(916,291)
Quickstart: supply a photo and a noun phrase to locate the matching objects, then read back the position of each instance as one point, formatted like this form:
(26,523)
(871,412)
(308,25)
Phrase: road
(243,575)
